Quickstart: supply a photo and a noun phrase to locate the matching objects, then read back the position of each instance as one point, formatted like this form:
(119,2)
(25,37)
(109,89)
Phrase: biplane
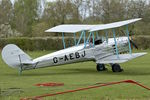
(88,47)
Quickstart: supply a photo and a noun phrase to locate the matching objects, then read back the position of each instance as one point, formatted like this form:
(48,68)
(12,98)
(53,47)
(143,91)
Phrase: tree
(77,6)
(6,15)
(93,7)
(25,14)
(5,11)
(61,12)
(113,10)
(136,8)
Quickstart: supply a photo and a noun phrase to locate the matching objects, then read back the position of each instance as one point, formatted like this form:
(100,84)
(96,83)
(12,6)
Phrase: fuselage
(82,53)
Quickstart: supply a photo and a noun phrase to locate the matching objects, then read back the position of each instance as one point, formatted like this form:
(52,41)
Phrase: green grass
(76,76)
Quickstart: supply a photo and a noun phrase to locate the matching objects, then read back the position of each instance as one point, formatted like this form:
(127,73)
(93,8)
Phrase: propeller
(131,40)
(133,44)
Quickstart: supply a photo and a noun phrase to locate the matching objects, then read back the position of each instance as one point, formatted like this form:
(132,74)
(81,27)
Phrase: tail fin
(14,56)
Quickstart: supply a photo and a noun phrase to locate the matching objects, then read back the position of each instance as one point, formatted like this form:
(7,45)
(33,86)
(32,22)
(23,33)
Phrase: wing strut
(75,38)
(88,39)
(127,31)
(114,35)
(84,40)
(80,37)
(83,35)
(93,38)
(63,40)
(97,35)
(106,32)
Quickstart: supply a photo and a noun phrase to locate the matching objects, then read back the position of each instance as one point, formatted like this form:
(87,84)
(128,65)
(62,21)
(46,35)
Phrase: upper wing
(70,28)
(114,25)
(73,28)
(122,58)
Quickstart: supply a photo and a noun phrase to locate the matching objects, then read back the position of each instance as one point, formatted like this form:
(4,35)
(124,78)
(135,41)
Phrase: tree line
(23,17)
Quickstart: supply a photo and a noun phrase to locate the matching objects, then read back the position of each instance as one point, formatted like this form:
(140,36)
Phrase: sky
(12,1)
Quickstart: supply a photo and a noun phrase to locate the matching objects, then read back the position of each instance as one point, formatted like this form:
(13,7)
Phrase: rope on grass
(85,88)
(51,84)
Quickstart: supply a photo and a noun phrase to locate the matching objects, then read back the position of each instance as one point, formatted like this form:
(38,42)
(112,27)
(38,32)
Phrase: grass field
(14,87)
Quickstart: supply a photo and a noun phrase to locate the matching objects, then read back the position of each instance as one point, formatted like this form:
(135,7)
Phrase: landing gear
(100,67)
(116,68)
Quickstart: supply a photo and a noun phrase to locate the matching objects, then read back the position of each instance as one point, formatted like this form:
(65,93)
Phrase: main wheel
(116,68)
(100,67)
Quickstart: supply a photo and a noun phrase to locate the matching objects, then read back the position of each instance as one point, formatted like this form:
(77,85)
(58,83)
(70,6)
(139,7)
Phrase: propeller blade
(134,45)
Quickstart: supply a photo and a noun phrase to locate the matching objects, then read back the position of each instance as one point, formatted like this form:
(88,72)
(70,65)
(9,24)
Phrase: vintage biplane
(92,48)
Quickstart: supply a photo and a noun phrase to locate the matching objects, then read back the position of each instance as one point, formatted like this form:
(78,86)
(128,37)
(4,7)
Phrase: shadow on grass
(131,72)
(82,71)
(54,73)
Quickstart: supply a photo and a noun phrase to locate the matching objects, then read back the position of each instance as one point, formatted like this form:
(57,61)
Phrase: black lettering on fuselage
(71,56)
(66,58)
(55,60)
(83,55)
(77,55)
(61,58)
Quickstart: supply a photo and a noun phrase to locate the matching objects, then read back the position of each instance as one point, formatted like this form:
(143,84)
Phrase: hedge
(31,44)
(143,42)
(56,43)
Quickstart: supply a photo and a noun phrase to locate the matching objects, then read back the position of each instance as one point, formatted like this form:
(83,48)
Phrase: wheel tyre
(116,68)
(100,67)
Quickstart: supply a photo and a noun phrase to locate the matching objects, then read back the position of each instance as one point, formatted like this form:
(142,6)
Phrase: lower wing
(121,58)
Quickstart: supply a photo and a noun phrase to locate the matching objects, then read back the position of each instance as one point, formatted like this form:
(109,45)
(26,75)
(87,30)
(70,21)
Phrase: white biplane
(109,51)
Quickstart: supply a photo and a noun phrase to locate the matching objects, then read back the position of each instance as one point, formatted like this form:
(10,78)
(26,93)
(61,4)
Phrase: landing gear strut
(116,68)
(100,67)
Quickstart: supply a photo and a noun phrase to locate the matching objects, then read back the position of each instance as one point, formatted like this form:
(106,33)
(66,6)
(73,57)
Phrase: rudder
(14,56)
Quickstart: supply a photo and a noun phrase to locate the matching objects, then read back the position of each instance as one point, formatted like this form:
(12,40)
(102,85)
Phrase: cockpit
(98,41)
